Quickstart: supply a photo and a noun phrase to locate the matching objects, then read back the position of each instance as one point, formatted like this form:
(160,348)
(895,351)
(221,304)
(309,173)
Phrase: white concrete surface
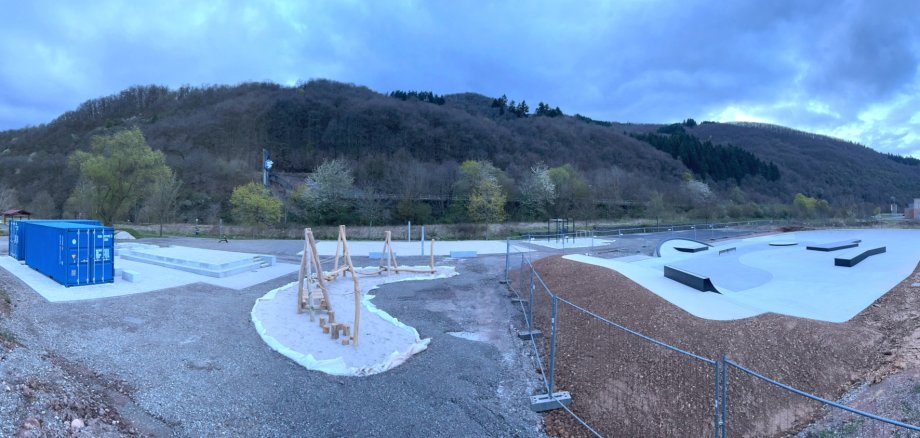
(758,278)
(196,255)
(151,278)
(383,341)
(408,249)
(580,242)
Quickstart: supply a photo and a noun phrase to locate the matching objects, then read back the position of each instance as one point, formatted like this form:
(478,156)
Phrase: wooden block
(322,322)
(347,331)
(325,329)
(344,341)
(335,332)
(331,317)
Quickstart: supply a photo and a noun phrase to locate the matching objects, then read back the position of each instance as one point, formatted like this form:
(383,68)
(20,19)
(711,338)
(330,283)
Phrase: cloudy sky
(843,68)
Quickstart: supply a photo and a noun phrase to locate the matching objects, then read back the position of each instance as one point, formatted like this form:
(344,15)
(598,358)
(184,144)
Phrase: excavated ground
(623,385)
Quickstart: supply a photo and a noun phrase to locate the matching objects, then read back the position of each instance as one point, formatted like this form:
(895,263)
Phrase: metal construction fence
(641,386)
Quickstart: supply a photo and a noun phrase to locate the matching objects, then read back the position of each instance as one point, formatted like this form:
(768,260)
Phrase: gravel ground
(187,362)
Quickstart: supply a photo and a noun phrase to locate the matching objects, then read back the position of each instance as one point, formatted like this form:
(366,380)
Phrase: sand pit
(383,342)
(755,276)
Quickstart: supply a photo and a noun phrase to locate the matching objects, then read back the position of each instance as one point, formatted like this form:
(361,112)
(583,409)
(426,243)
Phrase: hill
(410,145)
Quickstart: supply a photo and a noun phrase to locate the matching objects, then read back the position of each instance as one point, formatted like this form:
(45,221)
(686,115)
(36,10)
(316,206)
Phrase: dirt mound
(626,386)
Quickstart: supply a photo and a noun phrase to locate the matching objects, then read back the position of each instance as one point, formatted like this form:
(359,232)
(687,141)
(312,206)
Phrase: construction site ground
(187,361)
(625,386)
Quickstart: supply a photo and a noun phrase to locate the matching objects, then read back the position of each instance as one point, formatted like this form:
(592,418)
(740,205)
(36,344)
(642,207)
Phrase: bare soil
(623,385)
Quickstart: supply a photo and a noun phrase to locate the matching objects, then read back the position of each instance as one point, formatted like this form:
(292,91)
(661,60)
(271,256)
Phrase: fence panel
(625,385)
(758,406)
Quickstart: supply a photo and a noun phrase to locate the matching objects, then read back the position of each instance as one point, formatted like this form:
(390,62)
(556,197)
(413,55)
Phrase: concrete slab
(580,242)
(546,402)
(205,262)
(758,277)
(154,278)
(408,249)
(130,276)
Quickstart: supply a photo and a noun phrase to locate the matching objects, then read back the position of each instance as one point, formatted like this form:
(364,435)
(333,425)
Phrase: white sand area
(383,341)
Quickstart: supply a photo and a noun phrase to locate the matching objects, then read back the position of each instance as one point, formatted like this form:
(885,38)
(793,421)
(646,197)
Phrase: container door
(14,240)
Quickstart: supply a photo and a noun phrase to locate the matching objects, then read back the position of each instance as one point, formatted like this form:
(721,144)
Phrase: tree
(163,198)
(120,168)
(8,198)
(572,191)
(537,192)
(43,205)
(80,202)
(486,183)
(656,207)
(253,204)
(487,202)
(325,195)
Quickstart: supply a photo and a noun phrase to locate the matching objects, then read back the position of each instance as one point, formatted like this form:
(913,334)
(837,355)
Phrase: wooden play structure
(389,264)
(312,280)
(307,280)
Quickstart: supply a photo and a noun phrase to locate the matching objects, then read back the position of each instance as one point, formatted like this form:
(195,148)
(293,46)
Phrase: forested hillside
(417,155)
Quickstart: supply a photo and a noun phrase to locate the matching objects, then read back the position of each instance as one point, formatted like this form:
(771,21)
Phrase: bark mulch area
(623,385)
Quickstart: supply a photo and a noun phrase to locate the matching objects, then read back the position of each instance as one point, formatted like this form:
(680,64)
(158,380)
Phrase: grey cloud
(623,61)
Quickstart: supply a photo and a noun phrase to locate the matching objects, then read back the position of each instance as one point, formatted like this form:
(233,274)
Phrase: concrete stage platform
(205,262)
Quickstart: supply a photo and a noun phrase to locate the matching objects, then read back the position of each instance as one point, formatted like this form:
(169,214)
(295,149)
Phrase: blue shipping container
(72,254)
(17,247)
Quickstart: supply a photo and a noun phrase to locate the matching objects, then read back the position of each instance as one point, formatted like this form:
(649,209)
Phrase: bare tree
(8,198)
(163,198)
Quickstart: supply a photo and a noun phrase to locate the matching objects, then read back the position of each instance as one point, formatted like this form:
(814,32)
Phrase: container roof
(17,212)
(71,226)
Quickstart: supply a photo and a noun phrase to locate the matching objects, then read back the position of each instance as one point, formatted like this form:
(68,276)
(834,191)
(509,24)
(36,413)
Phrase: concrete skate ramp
(760,277)
(726,271)
(696,281)
(681,245)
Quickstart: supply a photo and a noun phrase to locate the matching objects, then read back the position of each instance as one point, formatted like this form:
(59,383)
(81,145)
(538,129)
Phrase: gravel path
(187,362)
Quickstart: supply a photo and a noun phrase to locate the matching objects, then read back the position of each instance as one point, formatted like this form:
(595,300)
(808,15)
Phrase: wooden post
(392,254)
(300,275)
(383,253)
(347,257)
(432,255)
(319,269)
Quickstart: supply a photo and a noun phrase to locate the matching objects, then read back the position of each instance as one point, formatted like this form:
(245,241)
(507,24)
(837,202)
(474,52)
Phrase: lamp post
(266,166)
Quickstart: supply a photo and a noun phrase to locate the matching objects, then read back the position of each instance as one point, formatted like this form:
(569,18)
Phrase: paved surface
(756,277)
(187,362)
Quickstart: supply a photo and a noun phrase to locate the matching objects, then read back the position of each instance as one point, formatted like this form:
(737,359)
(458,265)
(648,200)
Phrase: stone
(77,423)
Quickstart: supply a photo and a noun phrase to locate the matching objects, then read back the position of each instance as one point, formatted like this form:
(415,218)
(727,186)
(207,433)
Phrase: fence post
(724,400)
(552,348)
(521,276)
(530,303)
(507,256)
(717,402)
